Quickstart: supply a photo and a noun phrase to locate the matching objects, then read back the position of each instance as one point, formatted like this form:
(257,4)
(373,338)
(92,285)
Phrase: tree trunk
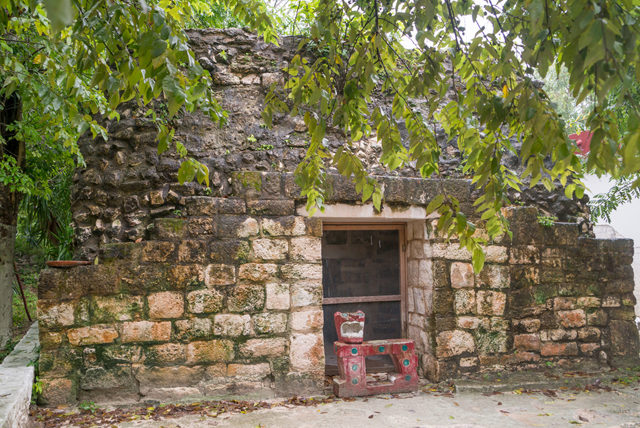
(7,238)
(10,113)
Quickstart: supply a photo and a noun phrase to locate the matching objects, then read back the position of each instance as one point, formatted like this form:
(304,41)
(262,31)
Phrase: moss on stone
(249,179)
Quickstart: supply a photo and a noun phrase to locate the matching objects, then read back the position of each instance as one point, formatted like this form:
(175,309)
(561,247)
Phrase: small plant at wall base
(547,221)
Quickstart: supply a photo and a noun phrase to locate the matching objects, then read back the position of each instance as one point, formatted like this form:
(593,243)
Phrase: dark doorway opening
(363,268)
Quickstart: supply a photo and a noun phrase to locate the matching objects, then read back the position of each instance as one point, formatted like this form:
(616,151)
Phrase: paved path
(620,408)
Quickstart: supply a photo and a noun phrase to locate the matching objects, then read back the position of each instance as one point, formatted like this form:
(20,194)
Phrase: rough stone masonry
(218,292)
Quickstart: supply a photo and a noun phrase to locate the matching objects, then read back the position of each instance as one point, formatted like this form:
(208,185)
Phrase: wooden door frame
(402,236)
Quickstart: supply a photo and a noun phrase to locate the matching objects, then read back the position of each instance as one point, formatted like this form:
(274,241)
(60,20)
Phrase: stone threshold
(16,380)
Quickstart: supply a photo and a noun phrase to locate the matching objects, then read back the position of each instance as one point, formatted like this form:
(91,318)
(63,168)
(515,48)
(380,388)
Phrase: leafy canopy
(70,59)
(477,84)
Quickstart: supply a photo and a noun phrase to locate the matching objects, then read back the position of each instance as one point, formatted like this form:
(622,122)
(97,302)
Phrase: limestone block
(527,342)
(495,254)
(529,325)
(145,331)
(204,301)
(491,302)
(157,251)
(462,275)
(306,293)
(183,276)
(570,319)
(306,249)
(528,254)
(232,325)
(306,352)
(192,251)
(246,298)
(249,371)
(277,296)
(116,308)
(284,226)
(166,353)
(192,328)
(270,248)
(172,376)
(472,323)
(464,302)
(165,304)
(552,349)
(272,347)
(494,276)
(52,315)
(219,274)
(306,320)
(454,342)
(298,271)
(247,228)
(93,335)
(269,323)
(257,272)
(211,351)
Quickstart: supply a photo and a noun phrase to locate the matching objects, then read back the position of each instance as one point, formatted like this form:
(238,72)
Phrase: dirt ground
(617,407)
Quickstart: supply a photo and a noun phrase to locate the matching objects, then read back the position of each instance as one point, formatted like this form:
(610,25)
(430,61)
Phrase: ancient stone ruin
(230,291)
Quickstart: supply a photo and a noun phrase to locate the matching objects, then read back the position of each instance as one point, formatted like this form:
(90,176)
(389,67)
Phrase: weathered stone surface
(231,325)
(295,272)
(270,249)
(192,328)
(284,226)
(209,351)
(462,275)
(455,342)
(246,298)
(491,302)
(117,308)
(157,377)
(145,331)
(306,320)
(166,304)
(465,302)
(277,296)
(219,274)
(551,349)
(250,371)
(306,293)
(307,249)
(274,347)
(493,276)
(257,272)
(157,251)
(306,353)
(55,315)
(92,335)
(527,342)
(570,319)
(204,301)
(269,323)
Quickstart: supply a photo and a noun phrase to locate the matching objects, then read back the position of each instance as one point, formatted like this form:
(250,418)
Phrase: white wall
(626,221)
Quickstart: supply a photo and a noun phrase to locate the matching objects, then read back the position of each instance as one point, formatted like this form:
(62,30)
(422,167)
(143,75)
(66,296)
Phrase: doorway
(363,267)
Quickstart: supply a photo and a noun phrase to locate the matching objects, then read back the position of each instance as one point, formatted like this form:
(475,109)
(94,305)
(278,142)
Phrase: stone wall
(223,301)
(218,291)
(545,297)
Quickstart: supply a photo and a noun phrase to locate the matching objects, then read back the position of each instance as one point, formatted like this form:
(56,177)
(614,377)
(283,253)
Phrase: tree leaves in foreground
(71,62)
(476,83)
(469,71)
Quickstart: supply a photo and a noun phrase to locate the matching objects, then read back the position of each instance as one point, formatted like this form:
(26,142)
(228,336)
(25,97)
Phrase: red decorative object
(583,141)
(350,326)
(67,263)
(353,380)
